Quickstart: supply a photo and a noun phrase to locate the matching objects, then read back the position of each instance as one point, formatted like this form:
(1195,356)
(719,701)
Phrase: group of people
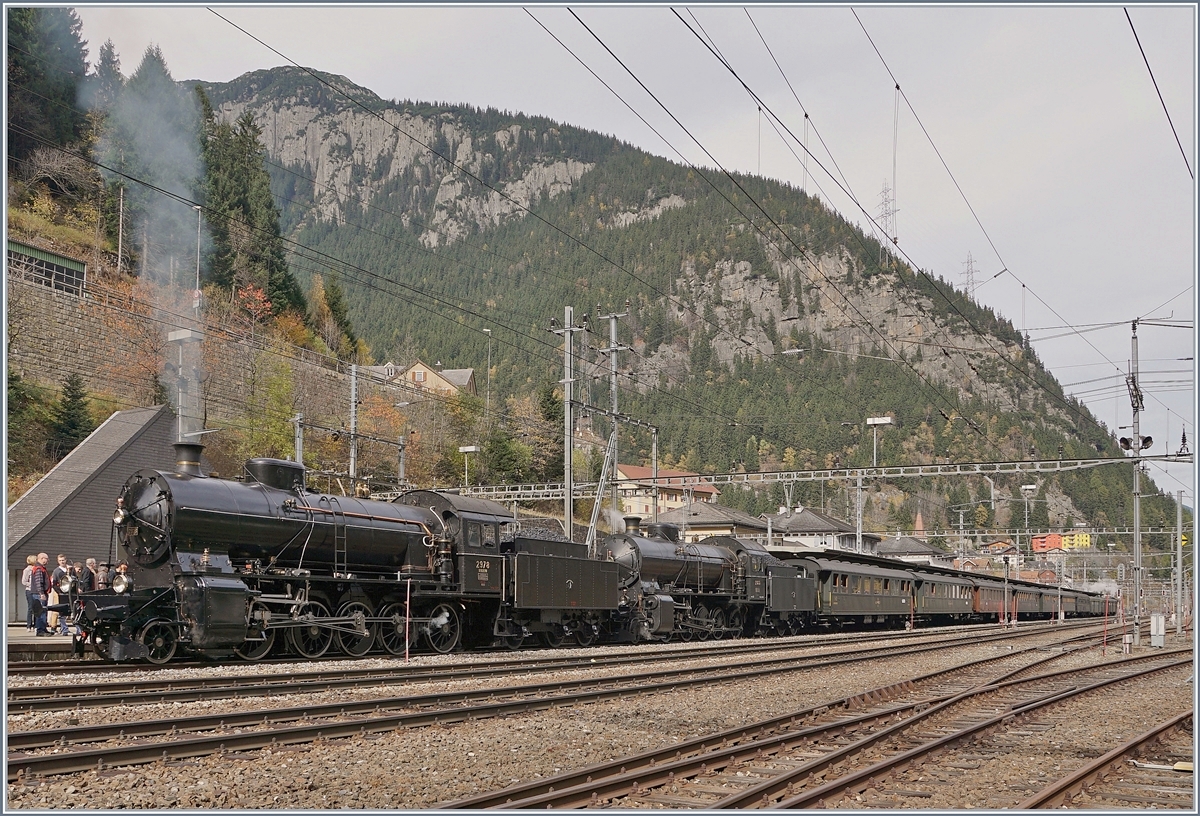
(42,585)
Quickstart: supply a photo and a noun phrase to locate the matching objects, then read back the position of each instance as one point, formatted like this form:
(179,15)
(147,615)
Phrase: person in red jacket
(39,592)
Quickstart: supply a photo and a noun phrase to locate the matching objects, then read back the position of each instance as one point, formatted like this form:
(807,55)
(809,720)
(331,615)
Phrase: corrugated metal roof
(46,255)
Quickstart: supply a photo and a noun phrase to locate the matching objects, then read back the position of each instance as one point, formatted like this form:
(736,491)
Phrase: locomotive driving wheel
(353,643)
(312,639)
(444,630)
(718,623)
(160,640)
(394,631)
(736,622)
(257,648)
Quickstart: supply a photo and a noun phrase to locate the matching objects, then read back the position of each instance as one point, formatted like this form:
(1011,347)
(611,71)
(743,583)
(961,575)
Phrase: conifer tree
(244,221)
(70,421)
(150,134)
(106,84)
(47,62)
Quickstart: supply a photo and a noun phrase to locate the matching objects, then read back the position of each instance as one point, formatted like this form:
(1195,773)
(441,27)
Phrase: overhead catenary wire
(1073,409)
(963,195)
(1158,91)
(867,214)
(735,337)
(866,324)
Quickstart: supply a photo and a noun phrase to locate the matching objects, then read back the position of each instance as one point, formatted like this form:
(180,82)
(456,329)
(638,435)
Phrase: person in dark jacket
(87,576)
(39,591)
(59,621)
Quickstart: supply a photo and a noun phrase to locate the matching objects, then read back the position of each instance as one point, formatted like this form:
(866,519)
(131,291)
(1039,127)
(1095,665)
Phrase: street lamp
(1028,491)
(874,423)
(464,450)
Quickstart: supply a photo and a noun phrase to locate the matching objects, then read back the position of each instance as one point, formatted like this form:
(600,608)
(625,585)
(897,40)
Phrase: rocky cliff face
(354,154)
(825,305)
(371,152)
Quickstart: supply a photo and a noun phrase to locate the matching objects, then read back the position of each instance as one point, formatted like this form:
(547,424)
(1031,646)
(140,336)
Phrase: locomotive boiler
(222,567)
(262,564)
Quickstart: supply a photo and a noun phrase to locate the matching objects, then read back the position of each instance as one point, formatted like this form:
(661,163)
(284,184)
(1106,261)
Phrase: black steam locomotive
(221,568)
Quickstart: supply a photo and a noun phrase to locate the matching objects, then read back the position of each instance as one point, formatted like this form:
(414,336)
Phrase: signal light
(1127,443)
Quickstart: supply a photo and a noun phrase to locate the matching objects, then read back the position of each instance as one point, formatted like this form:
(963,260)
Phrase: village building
(703,519)
(422,377)
(676,489)
(70,509)
(803,528)
(915,551)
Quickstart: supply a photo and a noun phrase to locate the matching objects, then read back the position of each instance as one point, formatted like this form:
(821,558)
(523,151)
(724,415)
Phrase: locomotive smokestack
(187,458)
(633,524)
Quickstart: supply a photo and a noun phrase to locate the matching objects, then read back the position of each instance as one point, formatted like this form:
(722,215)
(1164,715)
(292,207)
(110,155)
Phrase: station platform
(22,645)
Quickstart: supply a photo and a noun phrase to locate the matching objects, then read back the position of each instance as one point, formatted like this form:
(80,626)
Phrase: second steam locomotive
(220,568)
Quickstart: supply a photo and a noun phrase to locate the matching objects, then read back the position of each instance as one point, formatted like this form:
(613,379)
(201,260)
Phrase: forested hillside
(758,329)
(763,327)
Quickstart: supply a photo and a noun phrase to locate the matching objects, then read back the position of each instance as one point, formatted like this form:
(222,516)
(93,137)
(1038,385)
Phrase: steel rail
(589,690)
(59,698)
(586,785)
(1060,792)
(859,779)
(644,771)
(81,734)
(539,659)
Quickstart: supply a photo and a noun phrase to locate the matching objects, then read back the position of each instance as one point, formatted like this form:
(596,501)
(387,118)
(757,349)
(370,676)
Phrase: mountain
(763,327)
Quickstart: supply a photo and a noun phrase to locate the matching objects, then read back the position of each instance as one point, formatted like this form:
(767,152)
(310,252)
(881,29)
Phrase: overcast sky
(1046,118)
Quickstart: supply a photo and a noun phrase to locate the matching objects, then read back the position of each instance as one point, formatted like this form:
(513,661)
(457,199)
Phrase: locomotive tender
(221,568)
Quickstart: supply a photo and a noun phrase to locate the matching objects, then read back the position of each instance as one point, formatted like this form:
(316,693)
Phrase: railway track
(77,695)
(1155,769)
(97,666)
(822,753)
(40,752)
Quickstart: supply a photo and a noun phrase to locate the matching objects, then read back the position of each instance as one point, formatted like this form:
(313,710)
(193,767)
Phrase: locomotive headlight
(122,583)
(121,516)
(65,584)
